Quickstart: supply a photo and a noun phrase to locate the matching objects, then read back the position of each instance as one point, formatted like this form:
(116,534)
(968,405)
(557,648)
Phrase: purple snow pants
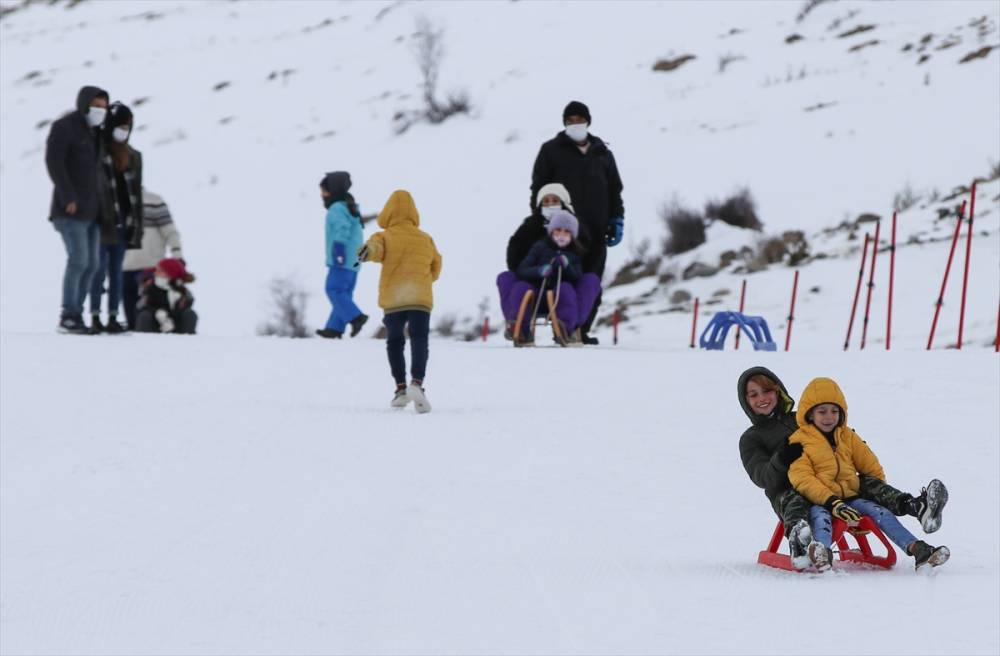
(575,299)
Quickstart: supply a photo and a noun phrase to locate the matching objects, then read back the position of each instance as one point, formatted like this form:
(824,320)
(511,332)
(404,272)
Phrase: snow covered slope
(246,104)
(261,497)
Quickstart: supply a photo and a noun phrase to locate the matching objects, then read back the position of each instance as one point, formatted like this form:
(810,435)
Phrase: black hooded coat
(761,444)
(72,154)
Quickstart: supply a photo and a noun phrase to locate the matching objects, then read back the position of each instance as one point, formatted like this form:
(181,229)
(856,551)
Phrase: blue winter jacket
(344,229)
(542,252)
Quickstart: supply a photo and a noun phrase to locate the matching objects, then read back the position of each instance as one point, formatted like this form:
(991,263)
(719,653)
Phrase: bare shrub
(739,210)
(686,228)
(429,52)
(445,326)
(288,301)
(905,198)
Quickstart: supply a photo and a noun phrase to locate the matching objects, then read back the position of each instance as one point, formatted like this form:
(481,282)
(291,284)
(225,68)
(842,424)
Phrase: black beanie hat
(337,183)
(118,114)
(576,108)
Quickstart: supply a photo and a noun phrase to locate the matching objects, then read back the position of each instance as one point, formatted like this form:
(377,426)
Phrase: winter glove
(789,454)
(363,254)
(616,230)
(560,260)
(339,253)
(545,270)
(166,323)
(841,510)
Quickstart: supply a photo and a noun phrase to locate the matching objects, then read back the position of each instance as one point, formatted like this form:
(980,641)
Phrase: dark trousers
(185,323)
(109,267)
(419,323)
(791,507)
(131,281)
(593,262)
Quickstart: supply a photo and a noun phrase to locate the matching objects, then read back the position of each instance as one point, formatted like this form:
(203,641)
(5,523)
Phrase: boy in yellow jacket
(410,265)
(827,474)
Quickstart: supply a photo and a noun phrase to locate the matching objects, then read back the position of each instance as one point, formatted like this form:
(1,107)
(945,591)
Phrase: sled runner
(863,554)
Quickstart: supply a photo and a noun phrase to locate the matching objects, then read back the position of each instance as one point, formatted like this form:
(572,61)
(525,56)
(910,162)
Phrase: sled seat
(863,554)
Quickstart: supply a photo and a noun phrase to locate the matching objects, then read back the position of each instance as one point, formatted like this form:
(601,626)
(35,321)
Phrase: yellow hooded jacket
(410,261)
(824,473)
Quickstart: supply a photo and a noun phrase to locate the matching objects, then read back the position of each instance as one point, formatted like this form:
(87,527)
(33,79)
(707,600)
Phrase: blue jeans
(822,526)
(110,266)
(82,239)
(340,284)
(395,343)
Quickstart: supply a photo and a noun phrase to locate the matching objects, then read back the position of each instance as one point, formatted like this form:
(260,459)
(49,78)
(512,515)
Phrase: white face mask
(547,212)
(121,134)
(562,241)
(577,132)
(95,116)
(161,282)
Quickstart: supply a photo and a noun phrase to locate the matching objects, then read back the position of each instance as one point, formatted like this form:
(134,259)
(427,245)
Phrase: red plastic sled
(863,554)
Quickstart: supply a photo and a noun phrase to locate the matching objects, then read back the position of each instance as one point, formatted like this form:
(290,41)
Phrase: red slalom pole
(743,295)
(947,268)
(892,274)
(694,321)
(871,285)
(857,291)
(614,325)
(968,252)
(486,328)
(791,311)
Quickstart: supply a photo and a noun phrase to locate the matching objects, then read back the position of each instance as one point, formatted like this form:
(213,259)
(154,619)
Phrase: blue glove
(545,270)
(560,260)
(616,230)
(339,253)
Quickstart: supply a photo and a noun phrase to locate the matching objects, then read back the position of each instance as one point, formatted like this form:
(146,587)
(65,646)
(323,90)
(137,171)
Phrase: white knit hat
(555,189)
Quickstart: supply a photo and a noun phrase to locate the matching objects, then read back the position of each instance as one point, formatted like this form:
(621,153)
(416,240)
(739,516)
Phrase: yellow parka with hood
(410,261)
(828,472)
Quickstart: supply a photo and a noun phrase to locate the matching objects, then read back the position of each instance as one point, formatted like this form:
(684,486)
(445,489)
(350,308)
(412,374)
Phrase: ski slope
(214,495)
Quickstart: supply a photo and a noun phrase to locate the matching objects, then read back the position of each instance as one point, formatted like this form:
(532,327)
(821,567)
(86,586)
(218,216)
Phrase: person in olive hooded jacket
(766,456)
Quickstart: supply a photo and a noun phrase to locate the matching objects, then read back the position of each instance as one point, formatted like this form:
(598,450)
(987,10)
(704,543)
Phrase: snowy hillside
(241,106)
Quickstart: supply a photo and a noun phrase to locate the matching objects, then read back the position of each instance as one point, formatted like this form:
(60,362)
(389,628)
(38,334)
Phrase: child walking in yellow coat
(410,265)
(827,474)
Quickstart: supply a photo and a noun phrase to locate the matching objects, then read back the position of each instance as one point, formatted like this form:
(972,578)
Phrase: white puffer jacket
(160,237)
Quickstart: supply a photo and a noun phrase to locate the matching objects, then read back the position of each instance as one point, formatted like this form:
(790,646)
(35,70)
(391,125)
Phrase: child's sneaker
(929,505)
(820,555)
(925,554)
(357,323)
(416,393)
(400,398)
(798,540)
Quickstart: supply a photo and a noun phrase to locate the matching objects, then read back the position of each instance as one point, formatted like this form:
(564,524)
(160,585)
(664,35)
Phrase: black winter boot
(925,554)
(357,322)
(588,340)
(113,327)
(96,327)
(929,505)
(329,334)
(798,541)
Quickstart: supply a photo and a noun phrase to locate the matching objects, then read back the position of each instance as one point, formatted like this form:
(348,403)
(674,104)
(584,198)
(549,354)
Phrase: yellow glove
(841,510)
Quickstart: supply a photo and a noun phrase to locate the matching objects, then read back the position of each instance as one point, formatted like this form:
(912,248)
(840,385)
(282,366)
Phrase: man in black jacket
(585,165)
(72,157)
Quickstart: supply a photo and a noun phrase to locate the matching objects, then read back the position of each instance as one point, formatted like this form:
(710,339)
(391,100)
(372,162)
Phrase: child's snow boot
(799,539)
(113,327)
(96,327)
(329,334)
(400,398)
(820,555)
(416,393)
(357,322)
(929,505)
(925,554)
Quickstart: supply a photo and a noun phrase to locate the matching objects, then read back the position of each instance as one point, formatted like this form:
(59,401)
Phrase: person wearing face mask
(72,153)
(165,305)
(122,224)
(584,164)
(344,236)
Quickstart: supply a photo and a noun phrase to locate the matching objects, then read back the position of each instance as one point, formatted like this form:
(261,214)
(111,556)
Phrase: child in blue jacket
(344,236)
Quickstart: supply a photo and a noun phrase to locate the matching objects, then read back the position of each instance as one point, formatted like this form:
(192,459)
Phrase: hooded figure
(344,232)
(71,157)
(410,260)
(831,464)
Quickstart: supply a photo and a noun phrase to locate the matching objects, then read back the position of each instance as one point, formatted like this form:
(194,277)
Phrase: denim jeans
(340,284)
(131,282)
(395,343)
(110,267)
(822,525)
(82,239)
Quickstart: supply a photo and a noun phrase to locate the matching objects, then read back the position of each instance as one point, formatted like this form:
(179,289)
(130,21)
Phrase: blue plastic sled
(713,337)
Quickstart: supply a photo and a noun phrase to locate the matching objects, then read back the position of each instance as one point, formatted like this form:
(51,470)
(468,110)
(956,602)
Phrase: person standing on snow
(72,156)
(584,164)
(410,265)
(121,228)
(344,236)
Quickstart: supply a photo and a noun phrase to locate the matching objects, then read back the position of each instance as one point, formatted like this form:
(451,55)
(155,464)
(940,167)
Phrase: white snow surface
(229,494)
